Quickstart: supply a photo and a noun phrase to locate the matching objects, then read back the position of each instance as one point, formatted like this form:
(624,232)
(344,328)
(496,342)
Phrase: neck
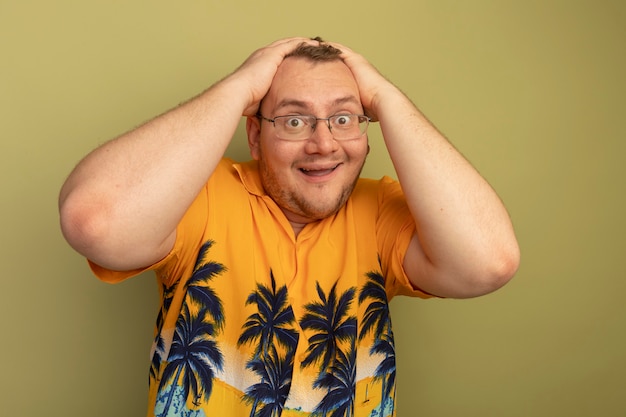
(297,227)
(297,221)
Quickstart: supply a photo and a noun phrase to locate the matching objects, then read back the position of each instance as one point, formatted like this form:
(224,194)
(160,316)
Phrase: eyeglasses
(301,127)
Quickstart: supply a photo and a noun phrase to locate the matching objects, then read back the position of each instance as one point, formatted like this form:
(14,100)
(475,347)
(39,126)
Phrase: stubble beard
(293,201)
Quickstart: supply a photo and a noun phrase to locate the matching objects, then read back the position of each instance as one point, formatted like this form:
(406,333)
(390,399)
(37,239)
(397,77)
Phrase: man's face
(313,178)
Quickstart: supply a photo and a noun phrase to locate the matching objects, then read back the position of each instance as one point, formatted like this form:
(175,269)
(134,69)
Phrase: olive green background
(532,92)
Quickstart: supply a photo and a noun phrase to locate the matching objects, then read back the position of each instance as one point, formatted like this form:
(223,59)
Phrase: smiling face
(310,179)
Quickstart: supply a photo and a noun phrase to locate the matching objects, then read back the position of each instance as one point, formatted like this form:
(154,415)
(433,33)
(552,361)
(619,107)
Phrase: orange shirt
(255,320)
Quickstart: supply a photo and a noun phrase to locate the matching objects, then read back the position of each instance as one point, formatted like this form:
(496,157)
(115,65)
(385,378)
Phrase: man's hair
(321,52)
(314,53)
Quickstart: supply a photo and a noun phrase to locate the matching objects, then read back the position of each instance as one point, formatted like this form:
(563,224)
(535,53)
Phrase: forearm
(466,242)
(131,192)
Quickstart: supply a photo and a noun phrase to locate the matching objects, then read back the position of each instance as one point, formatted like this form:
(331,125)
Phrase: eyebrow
(305,105)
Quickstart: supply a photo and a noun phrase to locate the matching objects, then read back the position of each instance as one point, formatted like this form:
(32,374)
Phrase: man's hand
(372,85)
(257,72)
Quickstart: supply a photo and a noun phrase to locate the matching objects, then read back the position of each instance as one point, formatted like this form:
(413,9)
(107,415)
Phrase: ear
(253,129)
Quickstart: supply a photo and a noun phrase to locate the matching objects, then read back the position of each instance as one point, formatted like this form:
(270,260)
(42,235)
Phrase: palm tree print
(271,327)
(273,320)
(273,390)
(198,289)
(194,358)
(194,355)
(155,363)
(378,320)
(331,323)
(386,370)
(376,317)
(339,381)
(159,342)
(333,328)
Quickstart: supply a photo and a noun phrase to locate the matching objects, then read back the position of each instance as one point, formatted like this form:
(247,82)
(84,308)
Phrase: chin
(306,202)
(313,210)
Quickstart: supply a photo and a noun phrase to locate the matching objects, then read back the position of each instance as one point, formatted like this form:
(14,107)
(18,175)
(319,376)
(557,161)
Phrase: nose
(322,140)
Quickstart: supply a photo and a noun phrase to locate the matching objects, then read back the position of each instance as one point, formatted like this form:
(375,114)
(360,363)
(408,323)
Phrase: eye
(344,120)
(294,122)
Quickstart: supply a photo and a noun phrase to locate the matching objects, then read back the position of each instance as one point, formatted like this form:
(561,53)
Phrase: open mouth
(318,172)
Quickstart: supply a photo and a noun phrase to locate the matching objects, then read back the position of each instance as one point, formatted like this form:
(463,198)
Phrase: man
(275,274)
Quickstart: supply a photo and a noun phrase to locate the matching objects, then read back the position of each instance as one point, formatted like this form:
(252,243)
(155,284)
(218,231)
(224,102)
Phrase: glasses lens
(348,126)
(294,127)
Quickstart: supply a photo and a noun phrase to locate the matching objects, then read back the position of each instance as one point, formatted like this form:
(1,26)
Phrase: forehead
(312,86)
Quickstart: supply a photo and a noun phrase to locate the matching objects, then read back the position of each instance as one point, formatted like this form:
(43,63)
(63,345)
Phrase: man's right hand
(257,72)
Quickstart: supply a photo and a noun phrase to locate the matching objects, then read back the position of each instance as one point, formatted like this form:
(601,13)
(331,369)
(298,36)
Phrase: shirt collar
(250,178)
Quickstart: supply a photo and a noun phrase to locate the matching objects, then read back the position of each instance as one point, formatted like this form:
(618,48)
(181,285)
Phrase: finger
(290,42)
(341,47)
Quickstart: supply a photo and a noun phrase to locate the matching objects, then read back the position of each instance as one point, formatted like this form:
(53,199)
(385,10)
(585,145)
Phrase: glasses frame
(314,126)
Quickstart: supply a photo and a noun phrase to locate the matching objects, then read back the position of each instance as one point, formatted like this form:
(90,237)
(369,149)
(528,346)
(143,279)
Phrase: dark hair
(321,52)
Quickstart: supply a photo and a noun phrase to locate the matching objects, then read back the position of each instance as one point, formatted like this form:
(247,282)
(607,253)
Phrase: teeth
(318,170)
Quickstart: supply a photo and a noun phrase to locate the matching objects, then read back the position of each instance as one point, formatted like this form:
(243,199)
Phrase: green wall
(532,92)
